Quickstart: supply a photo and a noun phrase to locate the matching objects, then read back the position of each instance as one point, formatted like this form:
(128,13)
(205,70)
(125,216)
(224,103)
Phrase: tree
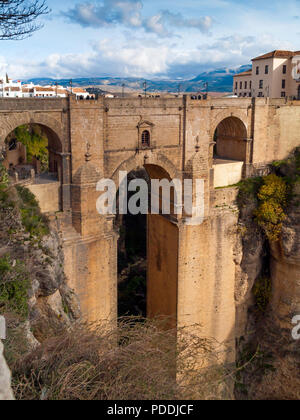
(18,18)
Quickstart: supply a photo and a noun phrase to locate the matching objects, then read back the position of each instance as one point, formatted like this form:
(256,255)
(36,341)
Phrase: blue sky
(151,38)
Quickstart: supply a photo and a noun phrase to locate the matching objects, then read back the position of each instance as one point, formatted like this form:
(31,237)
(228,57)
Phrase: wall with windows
(262,74)
(242,85)
(271,77)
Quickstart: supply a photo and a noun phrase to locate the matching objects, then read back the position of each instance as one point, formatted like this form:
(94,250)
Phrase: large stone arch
(147,159)
(162,240)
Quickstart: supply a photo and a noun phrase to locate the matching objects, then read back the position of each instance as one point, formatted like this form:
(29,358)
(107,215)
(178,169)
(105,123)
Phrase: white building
(11,89)
(273,75)
(80,93)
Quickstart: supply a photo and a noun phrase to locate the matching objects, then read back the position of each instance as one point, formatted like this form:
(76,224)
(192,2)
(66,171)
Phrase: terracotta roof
(277,54)
(43,89)
(244,73)
(79,90)
(27,90)
(12,89)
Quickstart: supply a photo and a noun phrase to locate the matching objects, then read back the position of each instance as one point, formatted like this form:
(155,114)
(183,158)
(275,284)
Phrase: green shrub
(273,198)
(3,178)
(248,190)
(273,189)
(36,142)
(14,285)
(33,221)
(3,184)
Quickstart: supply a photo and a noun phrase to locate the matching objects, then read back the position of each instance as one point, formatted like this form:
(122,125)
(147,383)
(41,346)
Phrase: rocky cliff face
(267,332)
(32,264)
(285,267)
(34,296)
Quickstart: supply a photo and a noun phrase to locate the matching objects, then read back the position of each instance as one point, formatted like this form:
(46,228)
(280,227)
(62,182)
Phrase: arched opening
(230,137)
(132,257)
(298,96)
(147,256)
(33,146)
(32,155)
(146,138)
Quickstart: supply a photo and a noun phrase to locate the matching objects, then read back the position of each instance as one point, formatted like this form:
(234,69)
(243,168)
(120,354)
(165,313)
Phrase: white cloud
(110,12)
(129,13)
(144,55)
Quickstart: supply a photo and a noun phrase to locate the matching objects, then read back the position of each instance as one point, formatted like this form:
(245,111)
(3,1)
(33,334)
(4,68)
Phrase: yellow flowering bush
(270,214)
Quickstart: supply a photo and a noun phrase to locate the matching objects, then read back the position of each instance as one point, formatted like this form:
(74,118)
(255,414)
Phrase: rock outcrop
(34,296)
(285,267)
(267,337)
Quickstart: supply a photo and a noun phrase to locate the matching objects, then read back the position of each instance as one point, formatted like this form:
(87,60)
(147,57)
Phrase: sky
(151,38)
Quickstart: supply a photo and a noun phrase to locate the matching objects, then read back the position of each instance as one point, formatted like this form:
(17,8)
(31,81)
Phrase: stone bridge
(191,269)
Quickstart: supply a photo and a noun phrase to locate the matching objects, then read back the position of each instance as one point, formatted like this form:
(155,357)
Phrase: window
(12,145)
(257,70)
(260,94)
(283,84)
(266,69)
(284,69)
(241,85)
(261,84)
(246,84)
(283,94)
(236,85)
(250,85)
(146,138)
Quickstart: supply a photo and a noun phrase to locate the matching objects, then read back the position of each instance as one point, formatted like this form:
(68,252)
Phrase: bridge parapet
(32,104)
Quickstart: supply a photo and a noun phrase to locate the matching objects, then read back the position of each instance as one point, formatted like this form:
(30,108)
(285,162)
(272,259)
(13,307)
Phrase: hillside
(219,80)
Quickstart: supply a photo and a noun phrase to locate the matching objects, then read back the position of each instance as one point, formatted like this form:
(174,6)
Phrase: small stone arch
(230,137)
(10,123)
(50,127)
(220,116)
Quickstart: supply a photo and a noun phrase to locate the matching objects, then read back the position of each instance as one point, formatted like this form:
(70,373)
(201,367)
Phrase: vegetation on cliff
(269,215)
(33,292)
(272,195)
(273,199)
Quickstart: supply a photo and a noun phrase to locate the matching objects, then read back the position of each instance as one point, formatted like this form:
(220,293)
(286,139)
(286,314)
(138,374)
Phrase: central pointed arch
(162,242)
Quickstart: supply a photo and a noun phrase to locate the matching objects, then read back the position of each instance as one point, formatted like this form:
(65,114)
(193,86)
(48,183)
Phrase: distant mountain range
(219,80)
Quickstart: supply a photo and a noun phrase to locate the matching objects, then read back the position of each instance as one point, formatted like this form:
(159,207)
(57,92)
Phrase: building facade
(273,75)
(12,89)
